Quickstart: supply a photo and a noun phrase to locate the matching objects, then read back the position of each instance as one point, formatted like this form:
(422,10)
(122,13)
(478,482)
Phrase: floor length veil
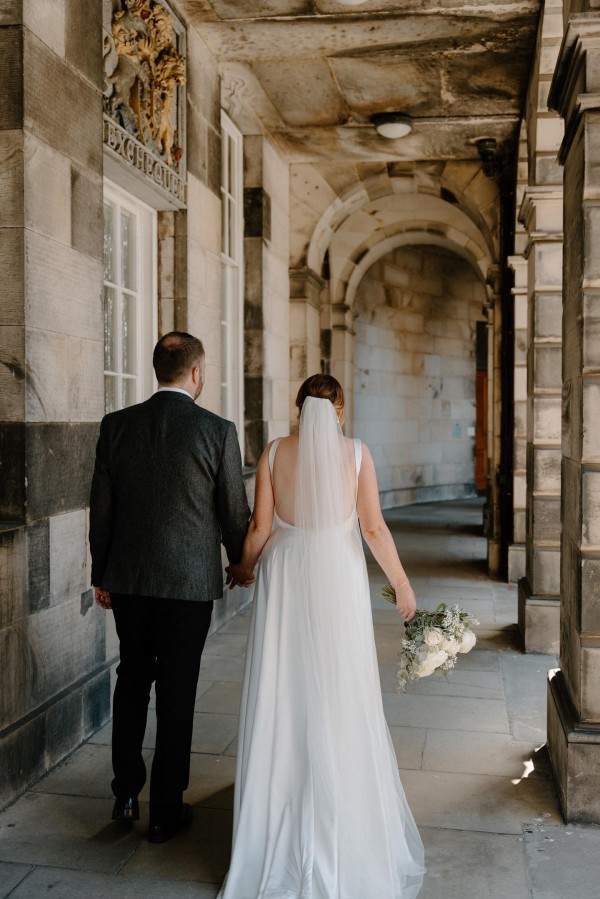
(319,810)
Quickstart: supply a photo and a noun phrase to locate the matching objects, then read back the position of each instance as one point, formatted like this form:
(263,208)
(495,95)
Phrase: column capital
(305,286)
(518,265)
(541,210)
(575,87)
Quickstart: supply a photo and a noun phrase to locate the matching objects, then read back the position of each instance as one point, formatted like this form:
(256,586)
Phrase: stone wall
(414,388)
(53,644)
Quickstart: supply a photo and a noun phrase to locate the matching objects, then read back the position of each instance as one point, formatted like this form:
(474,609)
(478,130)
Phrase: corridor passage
(469,749)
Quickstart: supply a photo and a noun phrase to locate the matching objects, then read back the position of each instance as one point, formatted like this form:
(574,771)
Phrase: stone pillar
(341,322)
(305,331)
(516,551)
(574,691)
(55,674)
(493,524)
(539,590)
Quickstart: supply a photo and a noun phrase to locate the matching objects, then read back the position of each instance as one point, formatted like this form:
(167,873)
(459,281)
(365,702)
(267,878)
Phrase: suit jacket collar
(171,395)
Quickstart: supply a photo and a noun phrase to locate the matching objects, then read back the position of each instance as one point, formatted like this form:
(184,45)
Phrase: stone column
(493,523)
(539,590)
(305,331)
(56,678)
(516,551)
(574,691)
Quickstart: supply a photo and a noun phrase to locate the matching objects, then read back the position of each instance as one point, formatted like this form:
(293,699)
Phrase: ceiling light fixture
(392,125)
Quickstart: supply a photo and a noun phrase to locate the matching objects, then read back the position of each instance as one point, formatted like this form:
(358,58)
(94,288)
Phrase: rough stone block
(82,31)
(47,22)
(63,727)
(547,368)
(547,312)
(12,373)
(86,212)
(59,104)
(21,689)
(47,190)
(85,381)
(13,576)
(21,759)
(547,419)
(539,621)
(68,556)
(11,277)
(590,521)
(590,596)
(11,78)
(12,481)
(47,376)
(96,702)
(546,571)
(60,463)
(546,520)
(11,179)
(546,470)
(63,289)
(38,557)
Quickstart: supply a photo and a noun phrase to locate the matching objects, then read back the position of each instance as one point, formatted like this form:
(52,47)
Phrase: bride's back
(285,467)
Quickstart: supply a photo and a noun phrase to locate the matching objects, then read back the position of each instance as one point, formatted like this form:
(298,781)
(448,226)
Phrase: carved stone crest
(143,72)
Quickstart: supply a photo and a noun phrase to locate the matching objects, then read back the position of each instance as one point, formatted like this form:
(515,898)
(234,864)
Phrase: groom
(167,489)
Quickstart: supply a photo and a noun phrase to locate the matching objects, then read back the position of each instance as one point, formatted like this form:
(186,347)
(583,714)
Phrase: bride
(319,809)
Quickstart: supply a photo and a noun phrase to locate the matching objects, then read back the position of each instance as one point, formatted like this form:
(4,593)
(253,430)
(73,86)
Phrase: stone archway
(416,311)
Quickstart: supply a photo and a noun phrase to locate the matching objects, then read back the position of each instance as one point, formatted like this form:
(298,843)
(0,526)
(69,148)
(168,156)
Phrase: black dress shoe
(161,833)
(126,810)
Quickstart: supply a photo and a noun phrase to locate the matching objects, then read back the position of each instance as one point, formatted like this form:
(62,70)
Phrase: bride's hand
(238,577)
(406,601)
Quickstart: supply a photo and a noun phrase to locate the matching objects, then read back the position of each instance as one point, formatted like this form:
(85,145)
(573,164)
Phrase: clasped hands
(238,576)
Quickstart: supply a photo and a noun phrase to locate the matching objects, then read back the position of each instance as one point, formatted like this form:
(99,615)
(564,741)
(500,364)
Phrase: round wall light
(392,125)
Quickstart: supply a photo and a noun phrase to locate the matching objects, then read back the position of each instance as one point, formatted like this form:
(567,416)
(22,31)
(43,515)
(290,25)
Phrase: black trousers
(160,640)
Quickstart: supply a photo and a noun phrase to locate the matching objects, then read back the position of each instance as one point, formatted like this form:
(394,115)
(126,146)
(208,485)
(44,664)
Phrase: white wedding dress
(319,810)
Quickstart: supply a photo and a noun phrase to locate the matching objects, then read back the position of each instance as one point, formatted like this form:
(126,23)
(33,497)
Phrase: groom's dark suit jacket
(167,489)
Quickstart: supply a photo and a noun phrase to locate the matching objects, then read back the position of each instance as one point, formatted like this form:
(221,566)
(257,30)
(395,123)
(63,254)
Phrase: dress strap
(272,452)
(357,457)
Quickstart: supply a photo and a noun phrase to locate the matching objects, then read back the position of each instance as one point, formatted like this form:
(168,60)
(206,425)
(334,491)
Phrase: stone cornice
(568,94)
(534,198)
(305,286)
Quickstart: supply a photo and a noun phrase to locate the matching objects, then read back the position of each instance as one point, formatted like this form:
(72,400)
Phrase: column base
(516,562)
(575,756)
(539,620)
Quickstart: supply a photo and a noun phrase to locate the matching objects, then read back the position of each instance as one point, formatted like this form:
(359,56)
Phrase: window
(232,279)
(129,298)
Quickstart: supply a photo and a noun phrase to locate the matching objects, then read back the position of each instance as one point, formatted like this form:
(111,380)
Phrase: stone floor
(470,749)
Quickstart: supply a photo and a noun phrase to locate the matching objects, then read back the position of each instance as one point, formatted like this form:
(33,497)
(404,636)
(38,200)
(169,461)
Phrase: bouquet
(432,640)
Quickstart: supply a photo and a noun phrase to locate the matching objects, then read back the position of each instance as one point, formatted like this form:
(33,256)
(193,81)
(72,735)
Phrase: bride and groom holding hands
(319,810)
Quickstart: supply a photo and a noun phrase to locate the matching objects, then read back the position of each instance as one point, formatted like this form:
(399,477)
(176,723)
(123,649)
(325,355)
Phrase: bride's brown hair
(324,387)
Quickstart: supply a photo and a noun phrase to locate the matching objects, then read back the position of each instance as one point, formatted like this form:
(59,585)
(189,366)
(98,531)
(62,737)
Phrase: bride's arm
(260,525)
(378,537)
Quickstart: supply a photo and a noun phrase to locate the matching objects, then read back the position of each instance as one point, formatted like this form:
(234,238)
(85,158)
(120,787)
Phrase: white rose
(431,663)
(468,642)
(451,645)
(432,637)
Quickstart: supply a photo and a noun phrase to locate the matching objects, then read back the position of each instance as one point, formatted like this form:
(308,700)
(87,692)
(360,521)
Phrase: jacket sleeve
(101,509)
(231,502)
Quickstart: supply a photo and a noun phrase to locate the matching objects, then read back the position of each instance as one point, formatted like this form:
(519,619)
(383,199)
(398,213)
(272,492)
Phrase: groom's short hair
(175,354)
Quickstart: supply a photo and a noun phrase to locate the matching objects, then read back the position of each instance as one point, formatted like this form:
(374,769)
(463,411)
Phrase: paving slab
(86,773)
(213,733)
(480,753)
(215,667)
(461,683)
(228,645)
(525,683)
(65,884)
(211,782)
(200,852)
(10,876)
(65,831)
(563,861)
(470,865)
(408,743)
(445,712)
(478,802)
(223,698)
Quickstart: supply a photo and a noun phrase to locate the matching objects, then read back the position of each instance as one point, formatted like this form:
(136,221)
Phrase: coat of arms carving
(143,70)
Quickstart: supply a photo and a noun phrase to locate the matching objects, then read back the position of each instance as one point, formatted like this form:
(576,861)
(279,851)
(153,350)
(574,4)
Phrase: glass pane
(110,329)
(128,250)
(224,161)
(225,224)
(109,242)
(111,393)
(129,334)
(231,211)
(129,392)
(233,185)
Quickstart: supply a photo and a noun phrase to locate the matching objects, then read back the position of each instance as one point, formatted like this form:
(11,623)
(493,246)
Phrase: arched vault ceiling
(313,72)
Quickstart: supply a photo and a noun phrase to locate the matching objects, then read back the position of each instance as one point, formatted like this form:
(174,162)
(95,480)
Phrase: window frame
(232,275)
(146,292)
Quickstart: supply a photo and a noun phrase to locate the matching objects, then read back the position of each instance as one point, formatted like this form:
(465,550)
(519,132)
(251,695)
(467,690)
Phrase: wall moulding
(144,98)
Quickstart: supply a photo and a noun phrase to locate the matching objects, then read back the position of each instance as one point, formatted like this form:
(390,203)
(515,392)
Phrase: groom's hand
(102,597)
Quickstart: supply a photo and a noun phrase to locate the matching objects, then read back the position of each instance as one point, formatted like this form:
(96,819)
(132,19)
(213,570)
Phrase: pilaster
(305,330)
(516,551)
(539,590)
(574,697)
